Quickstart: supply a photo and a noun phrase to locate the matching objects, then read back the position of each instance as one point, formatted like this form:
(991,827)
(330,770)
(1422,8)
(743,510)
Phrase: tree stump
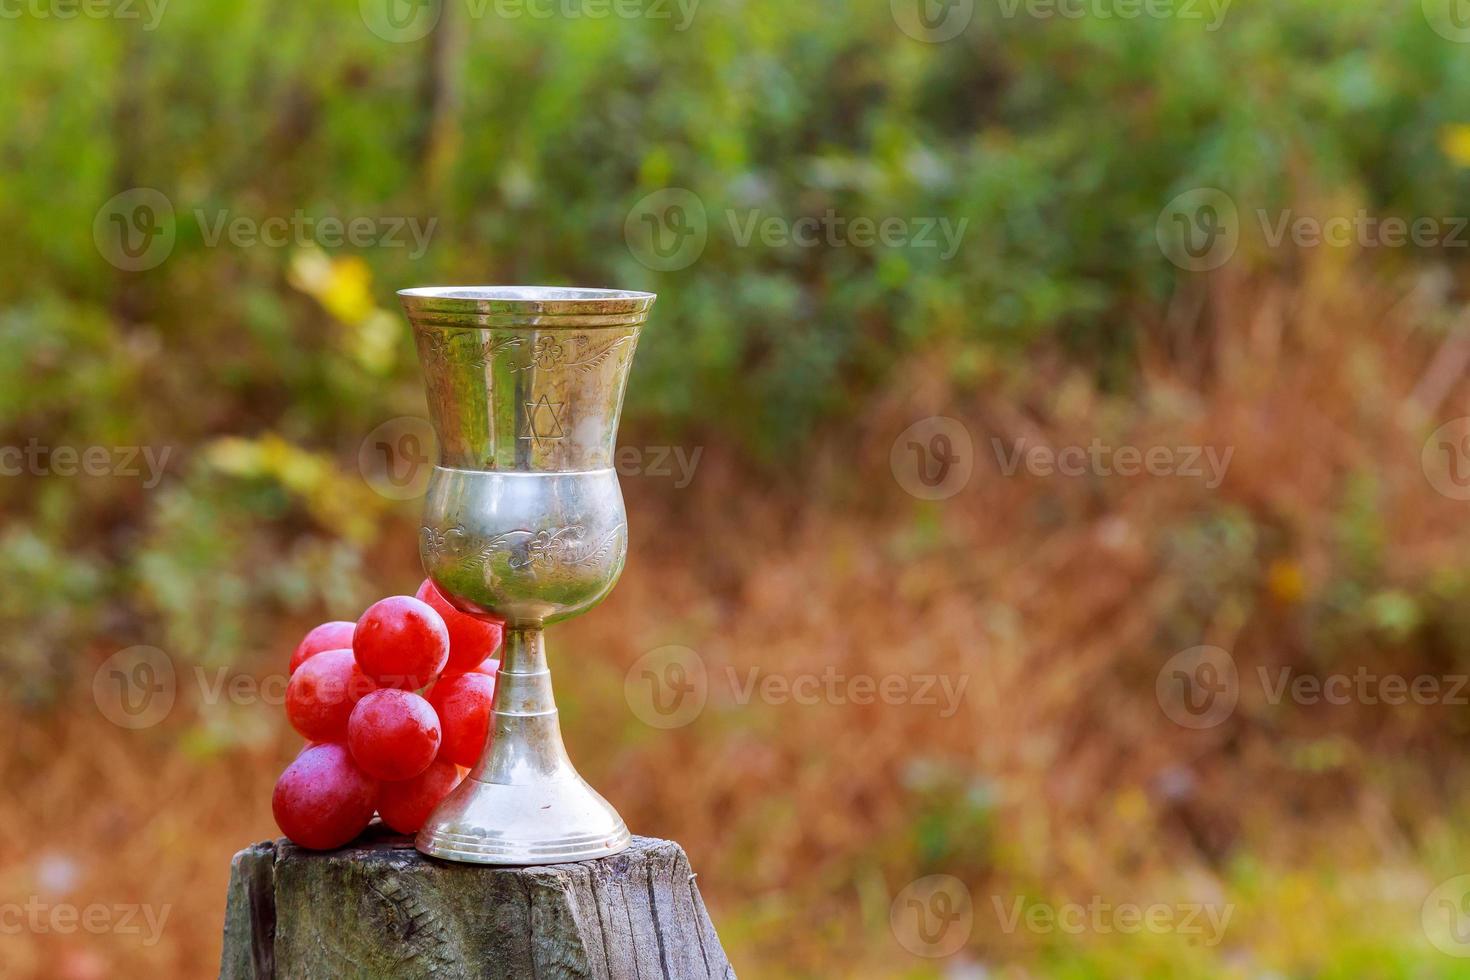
(379,908)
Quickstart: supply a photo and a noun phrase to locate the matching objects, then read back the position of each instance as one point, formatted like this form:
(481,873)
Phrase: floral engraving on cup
(445,344)
(566,547)
(548,353)
(589,361)
(577,351)
(546,548)
(437,542)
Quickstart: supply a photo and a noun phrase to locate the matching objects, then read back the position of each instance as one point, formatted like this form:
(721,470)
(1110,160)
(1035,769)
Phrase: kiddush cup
(524,520)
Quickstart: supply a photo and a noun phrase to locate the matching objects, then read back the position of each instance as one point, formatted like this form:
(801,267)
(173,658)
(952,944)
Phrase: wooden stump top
(379,908)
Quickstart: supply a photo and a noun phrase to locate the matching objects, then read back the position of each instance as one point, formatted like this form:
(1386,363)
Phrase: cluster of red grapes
(376,744)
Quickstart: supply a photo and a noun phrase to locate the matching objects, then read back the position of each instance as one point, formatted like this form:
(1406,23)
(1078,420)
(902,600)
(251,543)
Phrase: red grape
(393,734)
(401,642)
(322,693)
(471,639)
(328,636)
(463,703)
(405,805)
(323,800)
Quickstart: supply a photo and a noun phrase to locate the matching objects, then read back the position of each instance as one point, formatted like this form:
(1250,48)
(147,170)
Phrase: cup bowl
(529,548)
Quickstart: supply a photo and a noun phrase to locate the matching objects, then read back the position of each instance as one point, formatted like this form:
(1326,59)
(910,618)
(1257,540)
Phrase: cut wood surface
(379,908)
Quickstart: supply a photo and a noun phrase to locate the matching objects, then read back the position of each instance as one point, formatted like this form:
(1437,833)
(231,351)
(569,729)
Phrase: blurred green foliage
(527,141)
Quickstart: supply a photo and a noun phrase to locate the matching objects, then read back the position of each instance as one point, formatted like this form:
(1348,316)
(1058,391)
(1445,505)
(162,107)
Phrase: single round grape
(328,636)
(323,799)
(406,804)
(401,642)
(322,693)
(463,702)
(471,639)
(393,734)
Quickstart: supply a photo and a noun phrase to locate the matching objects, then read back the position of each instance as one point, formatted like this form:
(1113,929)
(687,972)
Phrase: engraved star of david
(544,420)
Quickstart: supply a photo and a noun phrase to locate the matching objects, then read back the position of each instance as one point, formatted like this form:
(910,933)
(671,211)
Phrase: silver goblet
(524,520)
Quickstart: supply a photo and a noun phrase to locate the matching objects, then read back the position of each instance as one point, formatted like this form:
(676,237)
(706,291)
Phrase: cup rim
(488,306)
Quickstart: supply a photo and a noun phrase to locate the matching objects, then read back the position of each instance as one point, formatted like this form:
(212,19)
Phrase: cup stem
(524,802)
(525,740)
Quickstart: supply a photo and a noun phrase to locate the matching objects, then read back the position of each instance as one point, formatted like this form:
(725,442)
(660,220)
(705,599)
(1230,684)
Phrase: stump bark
(379,908)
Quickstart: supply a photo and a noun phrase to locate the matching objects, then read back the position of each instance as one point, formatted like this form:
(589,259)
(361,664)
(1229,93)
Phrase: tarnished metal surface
(524,520)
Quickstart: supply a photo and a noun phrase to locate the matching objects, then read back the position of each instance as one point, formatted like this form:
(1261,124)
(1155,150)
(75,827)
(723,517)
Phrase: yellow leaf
(1286,581)
(1454,140)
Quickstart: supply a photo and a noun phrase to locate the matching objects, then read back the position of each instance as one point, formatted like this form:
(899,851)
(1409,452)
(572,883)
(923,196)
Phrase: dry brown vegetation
(1055,599)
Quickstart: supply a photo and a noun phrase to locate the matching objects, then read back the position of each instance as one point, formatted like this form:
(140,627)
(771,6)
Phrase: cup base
(551,822)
